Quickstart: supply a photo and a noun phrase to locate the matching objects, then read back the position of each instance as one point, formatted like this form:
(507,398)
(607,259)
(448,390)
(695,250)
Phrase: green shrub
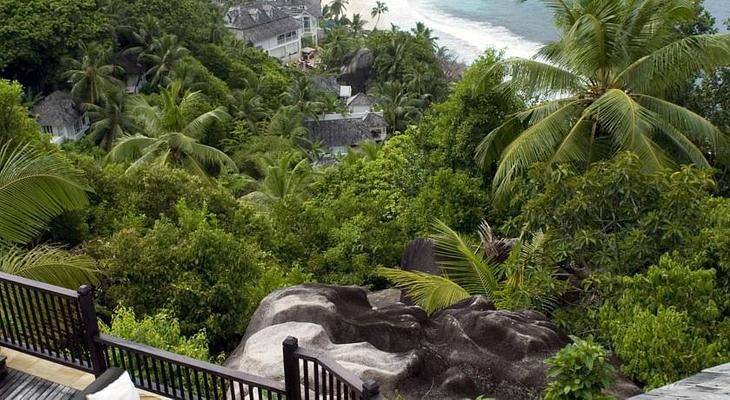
(159,330)
(667,323)
(580,371)
(204,276)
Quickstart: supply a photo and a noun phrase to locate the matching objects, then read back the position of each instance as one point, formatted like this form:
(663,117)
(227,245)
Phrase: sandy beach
(465,38)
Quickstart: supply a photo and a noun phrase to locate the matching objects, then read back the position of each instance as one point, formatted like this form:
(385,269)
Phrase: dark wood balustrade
(60,325)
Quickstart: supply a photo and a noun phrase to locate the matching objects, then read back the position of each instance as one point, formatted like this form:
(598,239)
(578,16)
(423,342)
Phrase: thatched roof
(258,21)
(333,130)
(56,109)
(293,7)
(360,100)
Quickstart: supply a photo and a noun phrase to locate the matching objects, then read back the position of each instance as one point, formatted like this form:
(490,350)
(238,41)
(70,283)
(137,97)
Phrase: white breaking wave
(466,38)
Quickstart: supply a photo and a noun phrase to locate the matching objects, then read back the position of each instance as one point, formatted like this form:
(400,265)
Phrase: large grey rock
(358,71)
(464,351)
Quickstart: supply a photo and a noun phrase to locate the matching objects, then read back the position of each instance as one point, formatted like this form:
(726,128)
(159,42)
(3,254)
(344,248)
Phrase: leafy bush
(205,276)
(580,371)
(668,323)
(615,217)
(159,330)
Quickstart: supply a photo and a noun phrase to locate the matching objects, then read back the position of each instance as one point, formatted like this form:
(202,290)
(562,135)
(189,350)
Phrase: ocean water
(468,27)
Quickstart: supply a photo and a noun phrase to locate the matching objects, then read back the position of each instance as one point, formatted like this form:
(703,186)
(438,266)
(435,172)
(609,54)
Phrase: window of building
(307,23)
(288,37)
(47,129)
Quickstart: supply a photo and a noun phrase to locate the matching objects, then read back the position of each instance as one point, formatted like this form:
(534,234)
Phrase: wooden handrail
(113,341)
(60,325)
(40,286)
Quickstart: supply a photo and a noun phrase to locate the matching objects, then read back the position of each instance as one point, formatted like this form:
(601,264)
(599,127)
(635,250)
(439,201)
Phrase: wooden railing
(60,325)
(178,377)
(312,375)
(44,321)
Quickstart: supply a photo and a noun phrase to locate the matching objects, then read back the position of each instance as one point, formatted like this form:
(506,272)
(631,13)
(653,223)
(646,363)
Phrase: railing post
(91,330)
(370,390)
(292,384)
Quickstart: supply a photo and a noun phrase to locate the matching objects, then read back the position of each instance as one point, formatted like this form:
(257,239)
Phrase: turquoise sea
(467,27)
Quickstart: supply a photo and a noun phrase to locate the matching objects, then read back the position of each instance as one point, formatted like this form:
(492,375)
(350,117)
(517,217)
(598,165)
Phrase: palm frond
(431,292)
(462,261)
(533,77)
(629,125)
(35,186)
(51,265)
(675,63)
(693,126)
(537,143)
(130,147)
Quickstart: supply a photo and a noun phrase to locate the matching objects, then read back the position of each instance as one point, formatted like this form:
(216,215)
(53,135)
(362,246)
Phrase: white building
(267,27)
(58,115)
(306,12)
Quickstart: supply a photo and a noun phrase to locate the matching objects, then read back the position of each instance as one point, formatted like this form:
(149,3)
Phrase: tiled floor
(54,372)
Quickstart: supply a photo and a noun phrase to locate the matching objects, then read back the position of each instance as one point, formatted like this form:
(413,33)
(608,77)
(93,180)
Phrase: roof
(360,99)
(313,7)
(56,109)
(334,130)
(260,20)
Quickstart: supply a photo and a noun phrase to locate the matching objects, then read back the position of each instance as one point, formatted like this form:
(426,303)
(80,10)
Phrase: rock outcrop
(464,351)
(358,70)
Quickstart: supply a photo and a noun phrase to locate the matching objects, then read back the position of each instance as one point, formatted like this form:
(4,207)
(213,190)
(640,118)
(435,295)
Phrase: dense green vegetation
(189,202)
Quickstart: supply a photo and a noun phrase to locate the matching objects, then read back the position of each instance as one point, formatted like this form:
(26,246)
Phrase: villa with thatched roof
(58,115)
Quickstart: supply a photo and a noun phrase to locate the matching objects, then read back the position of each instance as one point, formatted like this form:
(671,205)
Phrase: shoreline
(466,39)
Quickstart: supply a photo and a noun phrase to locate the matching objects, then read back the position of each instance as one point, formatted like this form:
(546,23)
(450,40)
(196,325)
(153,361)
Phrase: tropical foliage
(198,180)
(170,134)
(605,83)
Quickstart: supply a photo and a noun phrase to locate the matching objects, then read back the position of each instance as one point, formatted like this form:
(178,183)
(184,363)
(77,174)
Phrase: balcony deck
(18,385)
(30,375)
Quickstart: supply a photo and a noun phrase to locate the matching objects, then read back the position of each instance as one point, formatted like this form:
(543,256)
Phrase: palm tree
(398,107)
(338,45)
(287,122)
(377,11)
(302,95)
(170,134)
(357,25)
(143,38)
(36,186)
(109,121)
(338,7)
(285,179)
(499,269)
(421,31)
(248,106)
(163,55)
(393,59)
(90,75)
(605,81)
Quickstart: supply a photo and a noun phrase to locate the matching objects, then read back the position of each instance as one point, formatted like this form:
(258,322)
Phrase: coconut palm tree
(248,106)
(169,134)
(109,121)
(287,122)
(500,269)
(425,33)
(302,95)
(163,54)
(604,83)
(337,8)
(36,186)
(144,36)
(285,179)
(399,108)
(377,11)
(90,76)
(357,25)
